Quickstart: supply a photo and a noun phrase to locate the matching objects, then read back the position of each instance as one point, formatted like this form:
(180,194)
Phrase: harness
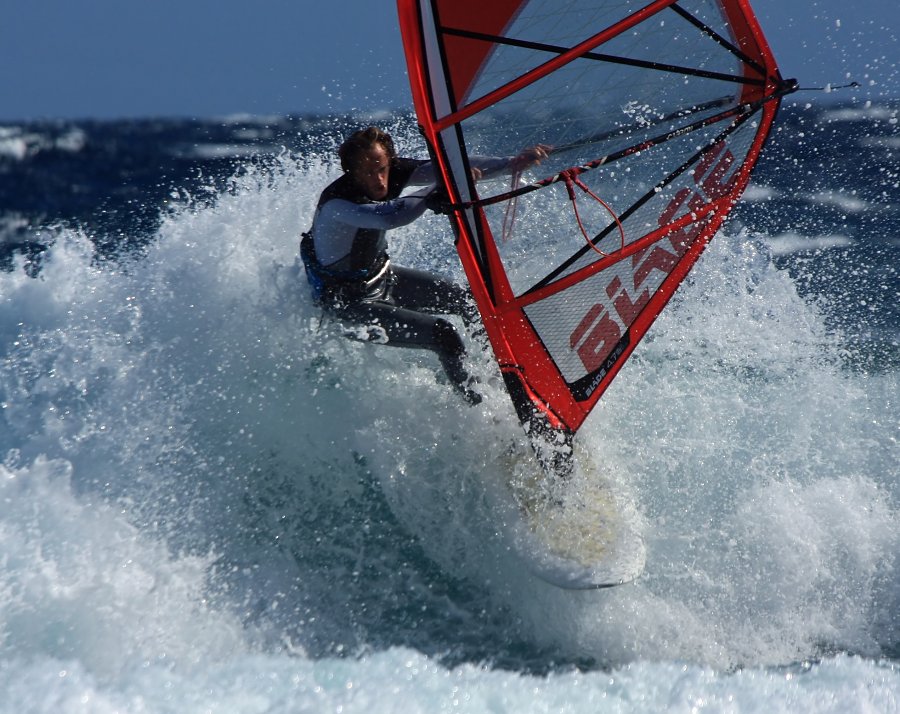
(328,284)
(368,266)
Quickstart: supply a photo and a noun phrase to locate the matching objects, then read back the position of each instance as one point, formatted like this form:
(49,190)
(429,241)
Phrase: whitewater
(211,500)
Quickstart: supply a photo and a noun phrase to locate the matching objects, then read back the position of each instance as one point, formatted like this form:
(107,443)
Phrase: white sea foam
(872,112)
(387,681)
(13,143)
(757,192)
(18,144)
(788,243)
(845,202)
(227,151)
(886,142)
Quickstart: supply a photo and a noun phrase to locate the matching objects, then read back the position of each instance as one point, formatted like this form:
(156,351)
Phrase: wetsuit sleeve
(380,216)
(490,167)
(423,175)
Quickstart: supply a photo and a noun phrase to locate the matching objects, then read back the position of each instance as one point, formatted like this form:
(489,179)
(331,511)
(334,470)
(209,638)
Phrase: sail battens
(657,110)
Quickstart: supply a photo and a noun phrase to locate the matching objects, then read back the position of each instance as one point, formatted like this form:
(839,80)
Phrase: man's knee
(446,338)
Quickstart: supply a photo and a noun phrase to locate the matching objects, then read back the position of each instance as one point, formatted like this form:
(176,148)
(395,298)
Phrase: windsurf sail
(656,113)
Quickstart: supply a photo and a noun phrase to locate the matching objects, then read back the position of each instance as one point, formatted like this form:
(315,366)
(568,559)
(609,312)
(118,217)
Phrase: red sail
(656,112)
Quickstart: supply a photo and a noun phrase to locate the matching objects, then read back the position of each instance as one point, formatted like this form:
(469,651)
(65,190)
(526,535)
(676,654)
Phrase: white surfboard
(575,532)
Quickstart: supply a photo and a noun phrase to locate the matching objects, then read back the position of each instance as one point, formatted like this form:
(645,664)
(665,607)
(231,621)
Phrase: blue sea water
(211,501)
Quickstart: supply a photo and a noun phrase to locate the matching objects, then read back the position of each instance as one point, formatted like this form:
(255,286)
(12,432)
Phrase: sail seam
(601,57)
(710,32)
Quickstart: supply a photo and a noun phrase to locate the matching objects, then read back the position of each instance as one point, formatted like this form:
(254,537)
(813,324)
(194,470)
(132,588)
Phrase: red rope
(571,179)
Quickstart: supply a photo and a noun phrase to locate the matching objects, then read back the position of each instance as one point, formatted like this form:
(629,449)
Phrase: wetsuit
(348,268)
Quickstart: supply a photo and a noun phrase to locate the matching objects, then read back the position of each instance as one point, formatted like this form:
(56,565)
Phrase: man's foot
(470,395)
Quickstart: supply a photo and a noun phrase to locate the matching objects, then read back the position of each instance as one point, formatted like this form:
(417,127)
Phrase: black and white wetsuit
(347,263)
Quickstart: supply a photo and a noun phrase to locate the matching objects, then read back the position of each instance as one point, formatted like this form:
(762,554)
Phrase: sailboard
(655,113)
(578,533)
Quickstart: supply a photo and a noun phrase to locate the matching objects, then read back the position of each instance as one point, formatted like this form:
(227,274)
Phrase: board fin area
(579,531)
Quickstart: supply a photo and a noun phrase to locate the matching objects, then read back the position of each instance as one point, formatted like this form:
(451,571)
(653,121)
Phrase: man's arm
(383,215)
(487,167)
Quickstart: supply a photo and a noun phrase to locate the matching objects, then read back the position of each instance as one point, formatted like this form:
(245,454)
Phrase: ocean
(212,501)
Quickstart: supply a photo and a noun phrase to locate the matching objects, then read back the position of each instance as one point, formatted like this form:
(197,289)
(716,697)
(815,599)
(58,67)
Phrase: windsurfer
(346,258)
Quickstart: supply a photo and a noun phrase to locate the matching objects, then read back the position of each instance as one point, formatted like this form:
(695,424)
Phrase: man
(346,254)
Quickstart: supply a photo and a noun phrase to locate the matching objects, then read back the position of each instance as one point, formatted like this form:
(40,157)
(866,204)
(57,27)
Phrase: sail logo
(630,288)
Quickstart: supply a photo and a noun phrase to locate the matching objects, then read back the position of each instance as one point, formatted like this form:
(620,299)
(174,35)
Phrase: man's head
(367,155)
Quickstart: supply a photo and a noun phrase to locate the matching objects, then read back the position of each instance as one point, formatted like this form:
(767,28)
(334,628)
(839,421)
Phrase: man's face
(372,173)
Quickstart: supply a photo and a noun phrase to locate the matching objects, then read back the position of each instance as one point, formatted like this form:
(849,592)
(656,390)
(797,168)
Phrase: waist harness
(328,283)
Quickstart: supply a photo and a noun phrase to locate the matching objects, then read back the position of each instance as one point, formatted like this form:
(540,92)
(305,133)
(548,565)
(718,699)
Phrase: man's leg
(404,327)
(427,292)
